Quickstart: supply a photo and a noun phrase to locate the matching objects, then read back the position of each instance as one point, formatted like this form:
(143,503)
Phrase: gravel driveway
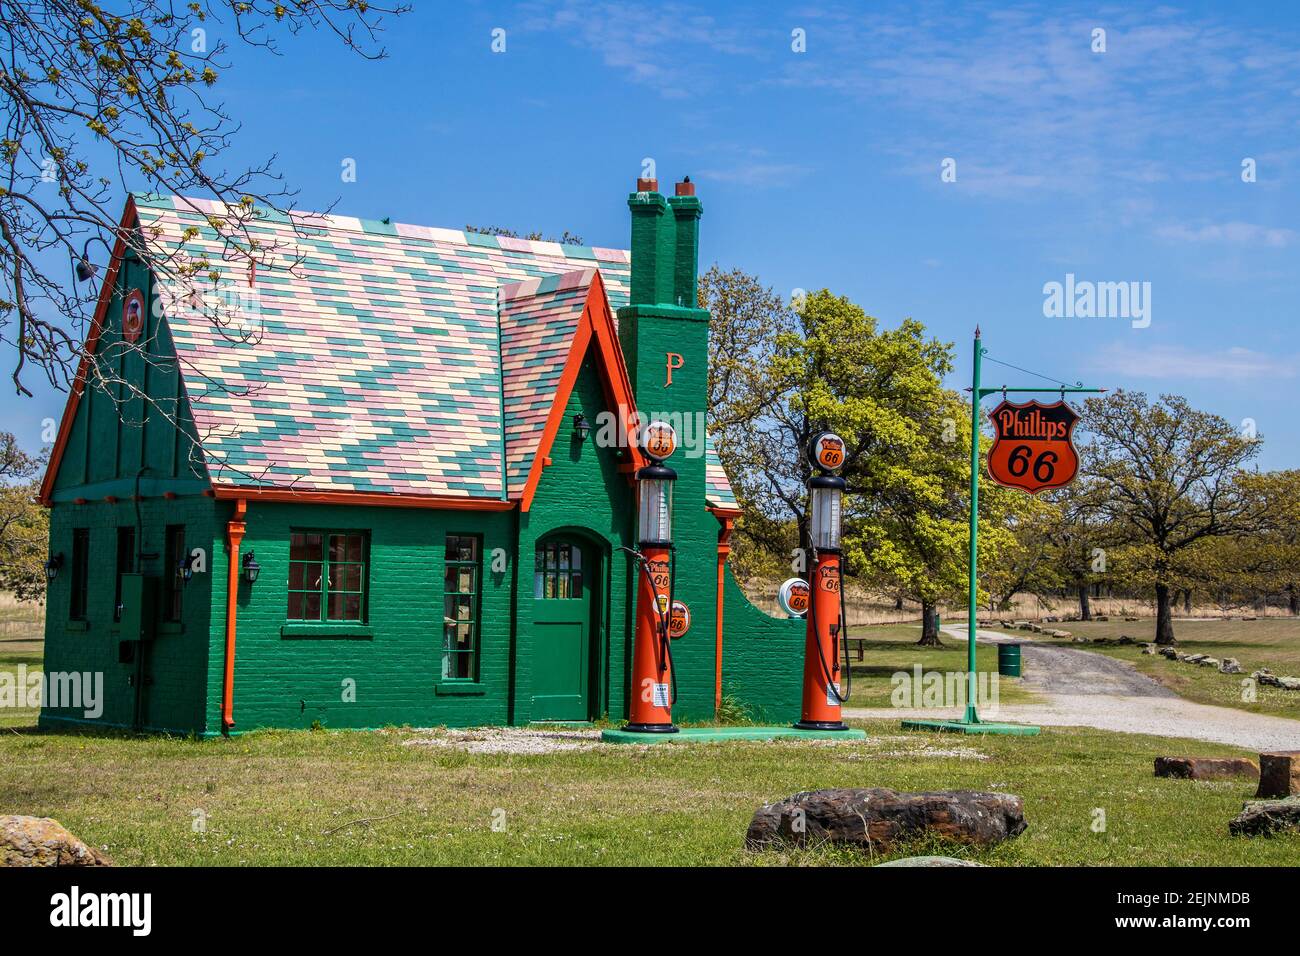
(1083,689)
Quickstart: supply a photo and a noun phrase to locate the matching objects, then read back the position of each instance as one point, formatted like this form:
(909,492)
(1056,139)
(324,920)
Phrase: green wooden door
(564,585)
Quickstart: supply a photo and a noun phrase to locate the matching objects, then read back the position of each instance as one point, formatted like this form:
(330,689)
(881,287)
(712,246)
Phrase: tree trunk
(1187,601)
(1164,618)
(1293,600)
(1085,605)
(898,603)
(929,626)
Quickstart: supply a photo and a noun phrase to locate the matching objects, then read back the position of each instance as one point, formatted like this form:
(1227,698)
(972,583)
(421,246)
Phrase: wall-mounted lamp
(581,426)
(251,568)
(185,569)
(52,566)
(85,268)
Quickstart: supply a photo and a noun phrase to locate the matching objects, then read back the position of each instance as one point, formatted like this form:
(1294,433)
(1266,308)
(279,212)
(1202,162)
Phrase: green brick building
(384,476)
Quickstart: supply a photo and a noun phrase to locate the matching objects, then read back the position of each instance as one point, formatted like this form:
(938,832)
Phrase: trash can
(1009,660)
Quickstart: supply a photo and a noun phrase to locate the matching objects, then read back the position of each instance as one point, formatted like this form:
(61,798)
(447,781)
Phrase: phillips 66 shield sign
(1034,448)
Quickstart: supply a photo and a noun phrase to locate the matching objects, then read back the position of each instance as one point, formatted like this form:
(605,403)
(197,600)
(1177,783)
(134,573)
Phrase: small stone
(1051,620)
(42,841)
(1193,658)
(1266,817)
(1279,774)
(931,861)
(1230,665)
(1169,652)
(1149,649)
(1206,768)
(1061,634)
(1209,662)
(1288,683)
(1101,617)
(1080,640)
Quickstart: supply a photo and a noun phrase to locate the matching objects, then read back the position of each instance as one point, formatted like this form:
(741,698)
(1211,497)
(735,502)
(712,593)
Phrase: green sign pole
(971,723)
(971,716)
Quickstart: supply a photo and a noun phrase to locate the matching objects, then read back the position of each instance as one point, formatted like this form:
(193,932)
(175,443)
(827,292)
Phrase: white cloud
(1238,233)
(1234,364)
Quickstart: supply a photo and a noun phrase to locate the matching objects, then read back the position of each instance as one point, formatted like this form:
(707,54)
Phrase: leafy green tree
(24,523)
(1175,481)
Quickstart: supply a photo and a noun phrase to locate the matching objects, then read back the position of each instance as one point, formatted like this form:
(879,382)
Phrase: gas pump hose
(831,683)
(665,642)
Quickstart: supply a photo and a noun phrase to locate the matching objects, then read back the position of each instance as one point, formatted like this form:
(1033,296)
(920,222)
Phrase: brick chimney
(665,248)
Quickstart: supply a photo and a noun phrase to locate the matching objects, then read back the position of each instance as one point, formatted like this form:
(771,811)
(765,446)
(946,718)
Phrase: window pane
(311,607)
(575,587)
(355,547)
(304,547)
(538,581)
(297,576)
(465,582)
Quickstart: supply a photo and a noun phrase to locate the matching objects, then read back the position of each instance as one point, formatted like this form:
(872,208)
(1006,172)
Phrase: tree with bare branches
(102,98)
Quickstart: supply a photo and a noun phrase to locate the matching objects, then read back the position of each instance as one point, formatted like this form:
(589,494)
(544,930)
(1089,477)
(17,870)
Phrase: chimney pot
(686,187)
(647,185)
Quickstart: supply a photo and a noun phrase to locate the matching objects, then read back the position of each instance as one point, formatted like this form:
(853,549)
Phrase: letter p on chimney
(675,361)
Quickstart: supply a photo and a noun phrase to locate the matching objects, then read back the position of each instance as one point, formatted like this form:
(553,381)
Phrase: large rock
(41,841)
(878,818)
(1230,665)
(1279,774)
(1169,652)
(1265,817)
(1206,768)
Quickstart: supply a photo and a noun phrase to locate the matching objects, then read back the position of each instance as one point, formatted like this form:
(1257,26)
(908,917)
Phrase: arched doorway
(566,627)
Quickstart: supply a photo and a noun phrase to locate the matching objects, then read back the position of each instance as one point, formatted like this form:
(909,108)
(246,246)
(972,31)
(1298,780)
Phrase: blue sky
(823,167)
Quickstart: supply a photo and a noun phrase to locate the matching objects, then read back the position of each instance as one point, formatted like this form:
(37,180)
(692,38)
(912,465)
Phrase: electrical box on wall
(139,607)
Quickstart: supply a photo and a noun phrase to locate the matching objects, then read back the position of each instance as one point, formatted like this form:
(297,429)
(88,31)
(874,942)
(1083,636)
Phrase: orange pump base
(821,708)
(651,710)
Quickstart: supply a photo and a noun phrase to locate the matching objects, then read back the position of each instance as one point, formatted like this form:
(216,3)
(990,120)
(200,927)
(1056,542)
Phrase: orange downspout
(234,535)
(724,549)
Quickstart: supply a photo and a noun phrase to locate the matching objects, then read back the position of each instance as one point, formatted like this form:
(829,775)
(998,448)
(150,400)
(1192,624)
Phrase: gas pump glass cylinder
(826,493)
(655,518)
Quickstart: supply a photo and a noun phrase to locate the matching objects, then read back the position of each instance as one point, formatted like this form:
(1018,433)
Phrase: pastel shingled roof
(538,321)
(717,488)
(376,356)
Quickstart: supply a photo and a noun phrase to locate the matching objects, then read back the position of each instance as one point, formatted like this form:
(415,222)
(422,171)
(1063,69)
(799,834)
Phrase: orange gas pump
(654,683)
(827,681)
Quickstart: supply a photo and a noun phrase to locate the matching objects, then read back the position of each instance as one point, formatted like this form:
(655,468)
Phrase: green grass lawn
(287,797)
(22,635)
(272,798)
(1268,642)
(891,648)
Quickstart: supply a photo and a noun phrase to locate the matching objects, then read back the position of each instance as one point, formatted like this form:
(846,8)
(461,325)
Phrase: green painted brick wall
(395,663)
(582,489)
(176,660)
(656,331)
(762,658)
